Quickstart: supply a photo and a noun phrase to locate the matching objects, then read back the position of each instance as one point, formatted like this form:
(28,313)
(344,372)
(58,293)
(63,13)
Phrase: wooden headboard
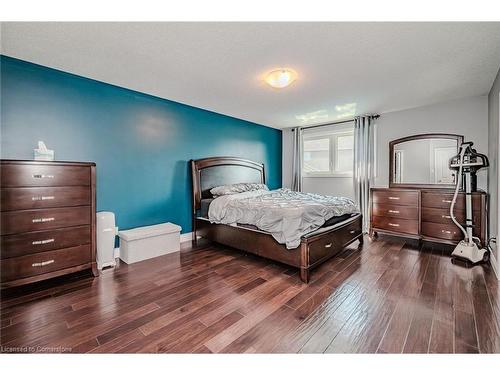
(211,172)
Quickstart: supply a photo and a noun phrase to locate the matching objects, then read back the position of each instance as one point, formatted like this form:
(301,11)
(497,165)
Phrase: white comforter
(287,215)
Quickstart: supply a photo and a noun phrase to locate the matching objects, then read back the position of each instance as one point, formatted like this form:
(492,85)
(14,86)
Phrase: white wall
(494,156)
(468,117)
(340,186)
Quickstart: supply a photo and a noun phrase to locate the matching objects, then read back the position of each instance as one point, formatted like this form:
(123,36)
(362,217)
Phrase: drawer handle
(352,231)
(394,225)
(446,201)
(43,198)
(328,245)
(42,219)
(394,198)
(43,242)
(43,176)
(394,211)
(447,231)
(446,216)
(41,264)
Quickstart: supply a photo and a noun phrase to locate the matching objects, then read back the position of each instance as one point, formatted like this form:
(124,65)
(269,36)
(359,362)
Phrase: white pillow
(236,188)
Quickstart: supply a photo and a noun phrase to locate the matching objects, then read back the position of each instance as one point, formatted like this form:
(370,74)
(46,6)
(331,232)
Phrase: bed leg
(304,275)
(194,238)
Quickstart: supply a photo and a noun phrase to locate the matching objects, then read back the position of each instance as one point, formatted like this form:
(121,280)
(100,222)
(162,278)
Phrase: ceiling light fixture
(281,78)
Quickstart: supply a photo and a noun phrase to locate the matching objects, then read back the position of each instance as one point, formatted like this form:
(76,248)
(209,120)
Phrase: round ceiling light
(281,78)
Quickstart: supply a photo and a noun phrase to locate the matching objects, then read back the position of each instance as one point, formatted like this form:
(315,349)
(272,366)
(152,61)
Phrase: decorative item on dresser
(48,220)
(424,214)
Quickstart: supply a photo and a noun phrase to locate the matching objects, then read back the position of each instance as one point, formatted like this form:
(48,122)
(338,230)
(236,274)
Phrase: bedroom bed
(314,248)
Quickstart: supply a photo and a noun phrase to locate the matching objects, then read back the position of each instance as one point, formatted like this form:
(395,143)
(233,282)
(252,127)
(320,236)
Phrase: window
(328,154)
(317,155)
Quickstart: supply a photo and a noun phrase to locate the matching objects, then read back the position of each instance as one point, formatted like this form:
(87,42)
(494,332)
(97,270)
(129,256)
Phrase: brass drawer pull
(43,242)
(43,219)
(446,201)
(352,231)
(328,245)
(43,198)
(394,198)
(394,211)
(446,216)
(41,264)
(43,176)
(394,225)
(446,231)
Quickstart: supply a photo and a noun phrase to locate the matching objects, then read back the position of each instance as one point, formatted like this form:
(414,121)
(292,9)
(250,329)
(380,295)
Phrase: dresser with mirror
(421,185)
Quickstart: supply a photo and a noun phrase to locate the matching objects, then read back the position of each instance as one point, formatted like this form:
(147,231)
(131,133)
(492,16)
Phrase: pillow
(236,188)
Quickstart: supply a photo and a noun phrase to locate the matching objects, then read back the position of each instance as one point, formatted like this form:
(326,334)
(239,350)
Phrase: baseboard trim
(494,265)
(186,237)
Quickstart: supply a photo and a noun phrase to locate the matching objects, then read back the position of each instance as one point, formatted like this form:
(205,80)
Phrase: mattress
(205,204)
(286,215)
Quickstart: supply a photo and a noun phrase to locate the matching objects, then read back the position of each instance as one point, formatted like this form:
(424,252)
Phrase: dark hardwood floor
(388,297)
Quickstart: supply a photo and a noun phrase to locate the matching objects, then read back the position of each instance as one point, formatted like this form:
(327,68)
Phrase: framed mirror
(422,161)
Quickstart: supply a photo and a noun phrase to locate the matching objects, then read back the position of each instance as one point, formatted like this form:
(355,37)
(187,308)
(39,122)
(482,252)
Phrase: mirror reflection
(424,161)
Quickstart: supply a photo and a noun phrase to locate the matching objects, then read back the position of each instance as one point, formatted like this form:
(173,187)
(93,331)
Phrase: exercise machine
(467,163)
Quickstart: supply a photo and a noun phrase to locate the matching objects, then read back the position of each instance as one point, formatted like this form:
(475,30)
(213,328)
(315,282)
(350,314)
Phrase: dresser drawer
(16,245)
(50,218)
(44,197)
(442,200)
(18,175)
(36,264)
(395,225)
(441,215)
(398,197)
(443,231)
(392,210)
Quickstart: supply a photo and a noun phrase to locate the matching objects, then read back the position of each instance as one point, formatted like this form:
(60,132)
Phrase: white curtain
(364,165)
(297,159)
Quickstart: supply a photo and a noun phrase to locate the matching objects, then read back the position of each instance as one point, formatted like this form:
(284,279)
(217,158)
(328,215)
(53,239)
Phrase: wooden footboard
(318,248)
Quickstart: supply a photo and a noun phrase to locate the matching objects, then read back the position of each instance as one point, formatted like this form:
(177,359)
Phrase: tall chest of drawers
(424,214)
(47,220)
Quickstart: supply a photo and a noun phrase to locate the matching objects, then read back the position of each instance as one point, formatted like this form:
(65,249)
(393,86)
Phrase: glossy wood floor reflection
(388,297)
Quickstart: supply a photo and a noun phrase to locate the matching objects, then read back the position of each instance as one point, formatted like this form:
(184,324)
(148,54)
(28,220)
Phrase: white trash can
(106,232)
(149,242)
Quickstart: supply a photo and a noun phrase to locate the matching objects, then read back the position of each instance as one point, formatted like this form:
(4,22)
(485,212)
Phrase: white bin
(106,232)
(149,242)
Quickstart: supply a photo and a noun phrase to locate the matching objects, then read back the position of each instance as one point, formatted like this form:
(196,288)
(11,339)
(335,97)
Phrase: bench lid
(148,231)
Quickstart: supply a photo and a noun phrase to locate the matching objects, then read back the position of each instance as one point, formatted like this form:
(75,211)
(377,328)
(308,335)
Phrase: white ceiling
(344,68)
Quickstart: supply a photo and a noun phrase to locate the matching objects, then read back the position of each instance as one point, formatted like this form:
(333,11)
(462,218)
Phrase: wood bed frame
(315,248)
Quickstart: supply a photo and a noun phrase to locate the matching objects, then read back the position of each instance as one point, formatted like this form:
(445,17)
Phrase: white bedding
(287,215)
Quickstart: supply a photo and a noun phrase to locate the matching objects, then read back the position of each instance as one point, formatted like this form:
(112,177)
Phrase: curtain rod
(335,123)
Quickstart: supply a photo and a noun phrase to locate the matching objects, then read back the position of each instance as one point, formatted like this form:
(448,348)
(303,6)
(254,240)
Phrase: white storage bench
(149,242)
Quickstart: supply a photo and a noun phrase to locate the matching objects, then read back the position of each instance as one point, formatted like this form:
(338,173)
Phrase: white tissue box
(45,155)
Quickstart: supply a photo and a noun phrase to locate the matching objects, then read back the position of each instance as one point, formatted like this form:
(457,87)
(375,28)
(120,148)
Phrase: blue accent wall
(141,144)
